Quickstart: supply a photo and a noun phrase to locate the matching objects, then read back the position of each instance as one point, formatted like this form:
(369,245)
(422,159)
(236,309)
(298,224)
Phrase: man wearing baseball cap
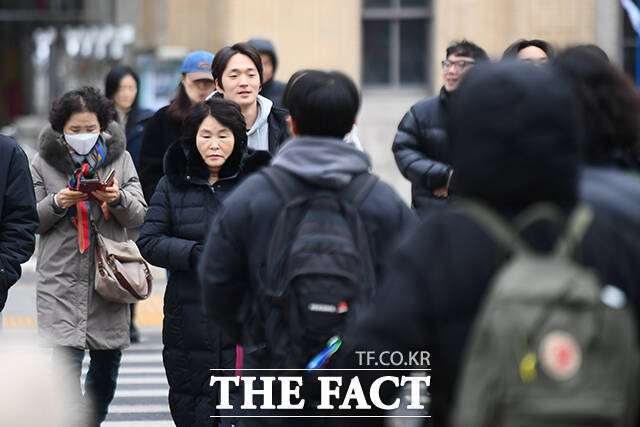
(196,75)
(165,127)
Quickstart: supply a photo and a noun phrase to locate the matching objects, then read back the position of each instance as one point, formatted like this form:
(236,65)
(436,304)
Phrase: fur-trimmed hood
(56,155)
(183,165)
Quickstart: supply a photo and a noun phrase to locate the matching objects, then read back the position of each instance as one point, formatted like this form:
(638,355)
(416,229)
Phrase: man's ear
(218,88)
(292,126)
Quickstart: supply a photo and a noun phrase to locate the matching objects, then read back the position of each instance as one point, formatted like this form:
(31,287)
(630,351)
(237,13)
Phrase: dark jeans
(101,380)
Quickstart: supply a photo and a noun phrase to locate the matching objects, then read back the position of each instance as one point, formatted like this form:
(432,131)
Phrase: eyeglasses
(457,65)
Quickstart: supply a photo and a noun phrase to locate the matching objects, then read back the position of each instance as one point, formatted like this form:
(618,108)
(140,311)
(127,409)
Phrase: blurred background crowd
(391,48)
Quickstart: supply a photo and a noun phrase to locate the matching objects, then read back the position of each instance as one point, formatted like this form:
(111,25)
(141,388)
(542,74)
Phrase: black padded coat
(180,214)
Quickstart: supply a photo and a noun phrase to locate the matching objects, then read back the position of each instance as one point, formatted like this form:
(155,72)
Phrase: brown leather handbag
(122,275)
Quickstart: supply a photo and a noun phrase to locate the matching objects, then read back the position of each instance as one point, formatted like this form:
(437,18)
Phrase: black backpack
(317,274)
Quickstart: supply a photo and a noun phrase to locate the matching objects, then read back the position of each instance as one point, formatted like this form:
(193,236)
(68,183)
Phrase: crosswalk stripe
(138,424)
(126,370)
(137,409)
(133,358)
(142,393)
(156,379)
(145,347)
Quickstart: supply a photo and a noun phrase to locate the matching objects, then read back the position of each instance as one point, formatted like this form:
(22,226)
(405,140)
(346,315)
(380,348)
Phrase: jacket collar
(54,153)
(183,165)
(444,96)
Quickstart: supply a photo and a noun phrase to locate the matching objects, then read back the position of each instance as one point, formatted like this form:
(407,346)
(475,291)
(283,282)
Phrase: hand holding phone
(92,185)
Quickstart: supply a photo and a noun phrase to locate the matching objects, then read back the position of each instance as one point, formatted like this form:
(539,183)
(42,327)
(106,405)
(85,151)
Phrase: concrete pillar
(609,16)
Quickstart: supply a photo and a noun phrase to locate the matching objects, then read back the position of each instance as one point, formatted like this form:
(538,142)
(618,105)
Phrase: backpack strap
(358,189)
(496,226)
(577,226)
(536,212)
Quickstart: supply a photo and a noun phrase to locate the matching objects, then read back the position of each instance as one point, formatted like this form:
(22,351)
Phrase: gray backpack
(550,346)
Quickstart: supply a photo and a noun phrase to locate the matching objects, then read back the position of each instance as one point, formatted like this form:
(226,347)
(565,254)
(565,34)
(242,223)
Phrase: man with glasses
(420,146)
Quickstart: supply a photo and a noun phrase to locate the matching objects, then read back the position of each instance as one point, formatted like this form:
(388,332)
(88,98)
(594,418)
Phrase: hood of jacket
(514,137)
(54,153)
(265,46)
(325,162)
(183,164)
(258,135)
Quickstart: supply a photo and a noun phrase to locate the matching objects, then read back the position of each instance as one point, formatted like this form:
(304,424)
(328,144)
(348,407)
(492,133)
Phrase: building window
(394,42)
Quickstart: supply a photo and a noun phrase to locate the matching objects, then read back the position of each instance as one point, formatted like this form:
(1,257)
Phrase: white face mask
(82,143)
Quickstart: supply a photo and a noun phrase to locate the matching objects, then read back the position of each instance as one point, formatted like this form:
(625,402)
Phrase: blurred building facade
(392,48)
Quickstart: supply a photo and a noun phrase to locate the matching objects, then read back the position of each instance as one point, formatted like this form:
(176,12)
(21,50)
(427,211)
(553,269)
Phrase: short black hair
(610,105)
(222,57)
(466,48)
(322,103)
(112,81)
(511,52)
(228,114)
(79,100)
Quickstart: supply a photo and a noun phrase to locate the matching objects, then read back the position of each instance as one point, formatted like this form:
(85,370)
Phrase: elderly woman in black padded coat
(200,170)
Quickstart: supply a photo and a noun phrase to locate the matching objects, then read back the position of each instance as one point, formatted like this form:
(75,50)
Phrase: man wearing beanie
(271,88)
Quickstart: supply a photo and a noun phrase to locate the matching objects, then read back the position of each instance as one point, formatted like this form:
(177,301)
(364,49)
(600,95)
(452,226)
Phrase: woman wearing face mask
(82,142)
(165,127)
(200,170)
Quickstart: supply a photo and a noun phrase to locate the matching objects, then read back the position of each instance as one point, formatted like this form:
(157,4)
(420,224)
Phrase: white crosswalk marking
(134,379)
(142,393)
(138,424)
(135,409)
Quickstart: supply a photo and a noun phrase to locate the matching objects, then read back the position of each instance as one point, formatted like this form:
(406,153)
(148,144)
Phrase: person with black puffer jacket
(200,170)
(19,218)
(420,147)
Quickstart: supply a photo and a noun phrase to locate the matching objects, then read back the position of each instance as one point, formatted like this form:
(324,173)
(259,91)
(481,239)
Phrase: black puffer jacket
(508,158)
(278,128)
(181,211)
(421,149)
(19,217)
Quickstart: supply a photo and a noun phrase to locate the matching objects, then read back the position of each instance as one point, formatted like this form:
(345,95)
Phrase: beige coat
(70,312)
